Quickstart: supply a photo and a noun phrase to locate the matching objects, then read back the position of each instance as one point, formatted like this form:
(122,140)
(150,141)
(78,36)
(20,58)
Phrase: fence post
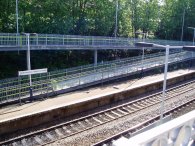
(19,85)
(48,82)
(6,93)
(79,78)
(46,40)
(63,40)
(92,41)
(102,77)
(41,84)
(37,40)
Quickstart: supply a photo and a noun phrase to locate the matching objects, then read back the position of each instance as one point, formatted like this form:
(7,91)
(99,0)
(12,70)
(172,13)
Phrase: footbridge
(15,42)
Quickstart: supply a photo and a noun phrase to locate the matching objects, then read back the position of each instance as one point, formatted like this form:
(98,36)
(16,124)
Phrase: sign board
(32,72)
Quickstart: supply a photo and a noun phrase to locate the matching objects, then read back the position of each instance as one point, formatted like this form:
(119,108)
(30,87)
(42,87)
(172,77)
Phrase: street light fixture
(28,53)
(194,33)
(116,19)
(17,29)
(167,47)
(143,49)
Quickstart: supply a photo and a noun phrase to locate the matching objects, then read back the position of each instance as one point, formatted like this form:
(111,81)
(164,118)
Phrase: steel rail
(141,126)
(181,89)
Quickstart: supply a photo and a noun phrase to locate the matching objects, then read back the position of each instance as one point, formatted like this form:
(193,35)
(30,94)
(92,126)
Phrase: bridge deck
(14,42)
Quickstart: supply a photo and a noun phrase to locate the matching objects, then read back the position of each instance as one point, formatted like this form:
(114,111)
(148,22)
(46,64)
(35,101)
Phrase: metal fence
(14,88)
(11,39)
(74,70)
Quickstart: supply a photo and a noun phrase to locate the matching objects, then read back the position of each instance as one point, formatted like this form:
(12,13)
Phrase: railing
(62,40)
(178,132)
(14,88)
(12,39)
(75,70)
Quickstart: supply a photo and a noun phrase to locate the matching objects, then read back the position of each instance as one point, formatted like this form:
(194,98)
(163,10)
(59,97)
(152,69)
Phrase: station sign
(32,72)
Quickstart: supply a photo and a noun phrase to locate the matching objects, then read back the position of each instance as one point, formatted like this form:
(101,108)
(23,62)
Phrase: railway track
(127,133)
(68,129)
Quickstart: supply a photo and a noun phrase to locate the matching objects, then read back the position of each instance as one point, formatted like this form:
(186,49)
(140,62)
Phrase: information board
(32,72)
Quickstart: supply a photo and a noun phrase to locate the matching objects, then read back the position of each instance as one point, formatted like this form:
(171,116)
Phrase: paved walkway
(17,111)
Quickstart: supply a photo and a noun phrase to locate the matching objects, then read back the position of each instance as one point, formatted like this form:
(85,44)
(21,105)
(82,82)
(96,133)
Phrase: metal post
(46,40)
(6,93)
(41,85)
(194,37)
(144,36)
(63,39)
(48,78)
(142,58)
(164,84)
(79,78)
(183,25)
(95,57)
(37,39)
(19,85)
(116,19)
(17,17)
(28,57)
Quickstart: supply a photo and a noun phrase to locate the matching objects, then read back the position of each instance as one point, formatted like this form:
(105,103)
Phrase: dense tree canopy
(161,18)
(97,17)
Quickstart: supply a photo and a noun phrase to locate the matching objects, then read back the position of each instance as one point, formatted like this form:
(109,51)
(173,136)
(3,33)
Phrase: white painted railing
(178,132)
(19,40)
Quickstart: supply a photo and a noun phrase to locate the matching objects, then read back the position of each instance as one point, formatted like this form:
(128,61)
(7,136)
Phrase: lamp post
(144,35)
(116,19)
(28,58)
(183,24)
(29,62)
(28,55)
(17,29)
(164,83)
(167,48)
(194,33)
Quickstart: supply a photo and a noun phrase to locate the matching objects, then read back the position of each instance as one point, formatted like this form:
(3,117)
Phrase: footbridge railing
(44,41)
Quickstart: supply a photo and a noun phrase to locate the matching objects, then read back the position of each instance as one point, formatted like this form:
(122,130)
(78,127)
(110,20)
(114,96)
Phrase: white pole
(144,35)
(95,57)
(28,57)
(142,58)
(17,17)
(164,84)
(183,25)
(116,19)
(194,37)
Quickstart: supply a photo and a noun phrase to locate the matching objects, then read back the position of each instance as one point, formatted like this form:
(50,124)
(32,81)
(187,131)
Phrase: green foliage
(91,17)
(97,17)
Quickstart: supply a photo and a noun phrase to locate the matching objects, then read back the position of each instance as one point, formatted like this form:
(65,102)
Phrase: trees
(172,17)
(97,17)
(163,18)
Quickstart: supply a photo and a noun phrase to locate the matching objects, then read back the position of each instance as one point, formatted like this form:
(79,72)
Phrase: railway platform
(17,117)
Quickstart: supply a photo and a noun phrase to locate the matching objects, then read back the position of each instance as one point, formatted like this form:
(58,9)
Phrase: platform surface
(17,111)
